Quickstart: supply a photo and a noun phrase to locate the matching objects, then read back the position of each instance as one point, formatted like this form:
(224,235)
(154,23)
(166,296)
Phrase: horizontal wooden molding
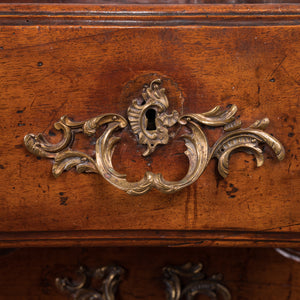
(150,15)
(169,238)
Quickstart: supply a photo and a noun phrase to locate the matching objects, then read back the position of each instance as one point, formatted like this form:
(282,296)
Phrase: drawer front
(247,273)
(58,61)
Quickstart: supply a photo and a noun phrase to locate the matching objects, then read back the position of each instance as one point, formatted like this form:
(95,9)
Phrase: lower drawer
(247,273)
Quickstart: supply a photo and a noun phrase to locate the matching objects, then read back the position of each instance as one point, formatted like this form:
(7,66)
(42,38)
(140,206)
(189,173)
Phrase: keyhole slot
(151,116)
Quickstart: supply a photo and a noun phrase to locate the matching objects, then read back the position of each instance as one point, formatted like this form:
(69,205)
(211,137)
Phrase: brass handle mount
(182,282)
(150,122)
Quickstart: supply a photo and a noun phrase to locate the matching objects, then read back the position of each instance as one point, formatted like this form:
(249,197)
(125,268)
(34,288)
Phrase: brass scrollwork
(181,282)
(81,290)
(149,120)
(189,280)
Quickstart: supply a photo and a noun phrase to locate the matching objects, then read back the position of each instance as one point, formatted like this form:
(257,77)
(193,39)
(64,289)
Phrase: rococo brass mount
(182,282)
(149,121)
(110,277)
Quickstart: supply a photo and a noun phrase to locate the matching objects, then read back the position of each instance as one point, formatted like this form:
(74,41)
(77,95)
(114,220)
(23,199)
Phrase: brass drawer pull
(187,281)
(110,276)
(182,282)
(150,122)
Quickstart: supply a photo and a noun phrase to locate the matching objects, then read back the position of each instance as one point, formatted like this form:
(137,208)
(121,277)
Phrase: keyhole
(151,116)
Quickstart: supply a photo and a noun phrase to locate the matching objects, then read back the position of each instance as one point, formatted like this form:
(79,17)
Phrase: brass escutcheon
(149,121)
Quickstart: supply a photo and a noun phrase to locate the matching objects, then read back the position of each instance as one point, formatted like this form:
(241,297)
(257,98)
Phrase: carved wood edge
(149,121)
(182,282)
(138,237)
(32,14)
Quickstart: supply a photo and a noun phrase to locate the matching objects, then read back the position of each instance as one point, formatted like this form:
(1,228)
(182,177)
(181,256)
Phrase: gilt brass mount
(82,289)
(188,281)
(149,121)
(182,282)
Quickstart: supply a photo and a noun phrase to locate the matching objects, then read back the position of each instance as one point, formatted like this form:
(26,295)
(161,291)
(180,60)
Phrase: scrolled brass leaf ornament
(189,280)
(149,121)
(110,277)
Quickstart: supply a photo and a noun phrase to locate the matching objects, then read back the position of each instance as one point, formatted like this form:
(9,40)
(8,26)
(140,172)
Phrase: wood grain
(151,2)
(83,71)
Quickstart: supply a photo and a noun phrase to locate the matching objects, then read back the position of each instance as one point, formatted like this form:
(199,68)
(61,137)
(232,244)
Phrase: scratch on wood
(278,66)
(280,227)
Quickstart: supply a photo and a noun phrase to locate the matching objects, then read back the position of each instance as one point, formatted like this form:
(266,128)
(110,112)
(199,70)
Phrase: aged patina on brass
(188,281)
(82,289)
(150,122)
(182,282)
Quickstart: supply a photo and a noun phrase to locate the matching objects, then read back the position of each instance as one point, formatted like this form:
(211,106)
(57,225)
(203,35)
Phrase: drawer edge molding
(149,121)
(169,238)
(43,14)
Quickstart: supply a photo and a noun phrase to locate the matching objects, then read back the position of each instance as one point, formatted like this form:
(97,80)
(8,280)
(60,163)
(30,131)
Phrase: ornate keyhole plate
(149,120)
